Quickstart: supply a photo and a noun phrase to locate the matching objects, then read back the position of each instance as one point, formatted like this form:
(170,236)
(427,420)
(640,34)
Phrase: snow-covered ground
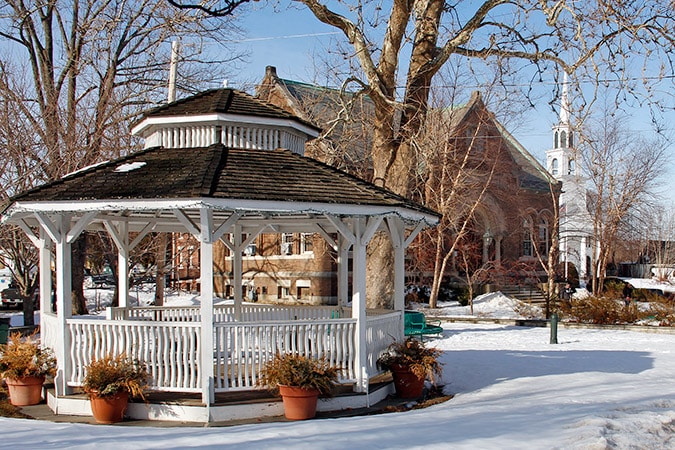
(596,389)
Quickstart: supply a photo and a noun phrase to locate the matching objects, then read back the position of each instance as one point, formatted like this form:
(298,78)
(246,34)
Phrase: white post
(64,305)
(359,304)
(343,270)
(397,236)
(206,285)
(123,266)
(45,275)
(582,262)
(237,271)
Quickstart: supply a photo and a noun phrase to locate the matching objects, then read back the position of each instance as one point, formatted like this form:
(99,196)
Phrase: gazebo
(220,165)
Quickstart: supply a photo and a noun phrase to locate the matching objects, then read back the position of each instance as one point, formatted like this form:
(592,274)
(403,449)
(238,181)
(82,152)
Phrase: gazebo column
(44,245)
(120,235)
(359,305)
(45,273)
(206,305)
(237,270)
(58,232)
(400,242)
(397,235)
(343,270)
(361,233)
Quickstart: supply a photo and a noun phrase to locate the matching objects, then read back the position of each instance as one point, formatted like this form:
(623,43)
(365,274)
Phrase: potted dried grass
(410,363)
(300,380)
(24,366)
(110,381)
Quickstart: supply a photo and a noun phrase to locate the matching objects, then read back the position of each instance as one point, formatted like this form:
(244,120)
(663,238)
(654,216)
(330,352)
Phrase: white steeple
(575,227)
(560,161)
(564,103)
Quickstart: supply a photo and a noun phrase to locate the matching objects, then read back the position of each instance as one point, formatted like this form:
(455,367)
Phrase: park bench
(416,324)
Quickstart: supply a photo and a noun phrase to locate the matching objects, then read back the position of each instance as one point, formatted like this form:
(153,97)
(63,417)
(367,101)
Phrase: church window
(570,143)
(527,238)
(555,140)
(543,237)
(563,139)
(554,166)
(570,167)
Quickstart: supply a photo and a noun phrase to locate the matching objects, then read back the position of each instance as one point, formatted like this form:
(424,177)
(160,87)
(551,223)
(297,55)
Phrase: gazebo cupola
(225,116)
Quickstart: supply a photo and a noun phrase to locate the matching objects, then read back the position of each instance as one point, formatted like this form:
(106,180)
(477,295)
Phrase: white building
(576,226)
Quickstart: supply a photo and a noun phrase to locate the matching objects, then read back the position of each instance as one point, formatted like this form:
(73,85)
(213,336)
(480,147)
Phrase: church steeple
(560,160)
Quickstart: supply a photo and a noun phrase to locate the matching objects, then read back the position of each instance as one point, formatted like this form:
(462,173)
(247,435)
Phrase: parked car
(11,297)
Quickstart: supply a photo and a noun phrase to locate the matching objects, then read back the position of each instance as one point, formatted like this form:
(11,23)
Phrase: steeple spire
(564,104)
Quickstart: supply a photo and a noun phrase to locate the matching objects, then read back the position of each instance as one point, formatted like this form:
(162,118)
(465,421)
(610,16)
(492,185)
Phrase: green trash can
(4,332)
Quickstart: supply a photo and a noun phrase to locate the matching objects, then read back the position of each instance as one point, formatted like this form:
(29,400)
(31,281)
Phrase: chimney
(175,48)
(271,71)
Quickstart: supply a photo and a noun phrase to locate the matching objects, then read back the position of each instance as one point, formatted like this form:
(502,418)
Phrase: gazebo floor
(229,407)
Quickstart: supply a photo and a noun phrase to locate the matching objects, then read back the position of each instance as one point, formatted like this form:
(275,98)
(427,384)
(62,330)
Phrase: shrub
(293,369)
(20,359)
(600,310)
(109,375)
(412,353)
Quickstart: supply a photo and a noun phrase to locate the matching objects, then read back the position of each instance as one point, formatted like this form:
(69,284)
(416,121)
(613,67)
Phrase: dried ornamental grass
(293,369)
(20,359)
(412,353)
(111,374)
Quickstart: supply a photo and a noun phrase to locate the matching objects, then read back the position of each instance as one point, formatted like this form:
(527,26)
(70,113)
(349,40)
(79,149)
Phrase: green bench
(416,324)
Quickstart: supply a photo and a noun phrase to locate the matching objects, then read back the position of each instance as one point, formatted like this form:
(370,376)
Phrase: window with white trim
(286,243)
(307,243)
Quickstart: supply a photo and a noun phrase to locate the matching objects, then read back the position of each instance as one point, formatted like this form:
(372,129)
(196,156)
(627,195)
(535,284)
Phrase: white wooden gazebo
(217,172)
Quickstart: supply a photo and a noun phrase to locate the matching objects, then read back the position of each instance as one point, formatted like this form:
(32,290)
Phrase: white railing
(171,350)
(49,325)
(156,313)
(381,330)
(224,313)
(243,348)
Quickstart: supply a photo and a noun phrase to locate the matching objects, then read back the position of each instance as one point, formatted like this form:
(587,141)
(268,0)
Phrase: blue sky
(290,39)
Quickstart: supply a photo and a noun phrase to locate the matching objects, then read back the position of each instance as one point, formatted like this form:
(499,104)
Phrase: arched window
(542,237)
(563,139)
(571,165)
(571,144)
(527,237)
(555,140)
(554,166)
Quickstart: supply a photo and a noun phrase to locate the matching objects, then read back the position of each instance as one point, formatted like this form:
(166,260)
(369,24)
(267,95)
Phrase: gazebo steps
(230,406)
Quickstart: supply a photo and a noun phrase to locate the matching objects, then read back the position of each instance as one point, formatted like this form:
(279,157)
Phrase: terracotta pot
(299,403)
(407,384)
(109,409)
(25,391)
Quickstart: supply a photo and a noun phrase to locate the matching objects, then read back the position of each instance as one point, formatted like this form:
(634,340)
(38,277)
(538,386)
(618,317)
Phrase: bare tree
(459,165)
(75,74)
(622,168)
(600,41)
(660,243)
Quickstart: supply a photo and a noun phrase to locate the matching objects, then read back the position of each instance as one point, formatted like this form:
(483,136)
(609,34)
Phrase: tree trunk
(78,255)
(160,258)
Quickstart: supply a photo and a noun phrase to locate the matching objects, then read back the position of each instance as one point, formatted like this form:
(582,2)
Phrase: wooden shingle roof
(217,172)
(226,101)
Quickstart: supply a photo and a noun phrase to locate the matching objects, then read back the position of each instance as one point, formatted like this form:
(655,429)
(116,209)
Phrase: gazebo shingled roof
(226,100)
(217,172)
